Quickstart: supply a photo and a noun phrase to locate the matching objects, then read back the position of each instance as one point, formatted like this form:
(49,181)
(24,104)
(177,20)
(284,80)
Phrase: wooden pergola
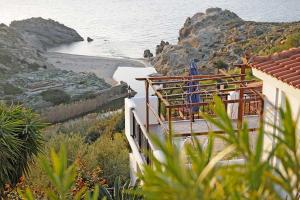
(172,93)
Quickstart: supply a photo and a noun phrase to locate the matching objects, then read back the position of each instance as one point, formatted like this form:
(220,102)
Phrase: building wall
(138,105)
(276,92)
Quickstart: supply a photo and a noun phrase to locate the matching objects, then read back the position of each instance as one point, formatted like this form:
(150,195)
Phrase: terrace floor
(184,128)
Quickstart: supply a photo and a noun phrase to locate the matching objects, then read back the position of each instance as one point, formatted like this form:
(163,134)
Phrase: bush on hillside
(220,64)
(108,154)
(56,96)
(10,89)
(111,155)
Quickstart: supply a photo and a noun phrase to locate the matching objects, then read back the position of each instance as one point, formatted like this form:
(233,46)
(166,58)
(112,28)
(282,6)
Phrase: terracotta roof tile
(284,66)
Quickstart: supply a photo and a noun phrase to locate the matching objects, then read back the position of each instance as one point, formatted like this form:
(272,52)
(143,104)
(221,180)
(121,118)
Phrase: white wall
(275,92)
(138,104)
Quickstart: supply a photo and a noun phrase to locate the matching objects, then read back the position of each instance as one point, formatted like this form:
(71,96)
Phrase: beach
(103,67)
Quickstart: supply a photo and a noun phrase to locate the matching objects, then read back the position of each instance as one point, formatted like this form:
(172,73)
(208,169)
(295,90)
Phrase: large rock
(219,35)
(15,53)
(148,54)
(43,34)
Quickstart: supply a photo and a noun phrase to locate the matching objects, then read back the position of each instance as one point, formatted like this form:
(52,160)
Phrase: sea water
(125,28)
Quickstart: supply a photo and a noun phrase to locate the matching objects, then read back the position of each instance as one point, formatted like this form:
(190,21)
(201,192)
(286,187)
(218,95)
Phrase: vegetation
(56,96)
(10,89)
(64,112)
(220,64)
(20,141)
(200,175)
(291,41)
(63,183)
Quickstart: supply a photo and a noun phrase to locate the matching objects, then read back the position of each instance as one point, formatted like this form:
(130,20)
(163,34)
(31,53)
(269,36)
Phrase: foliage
(56,96)
(10,89)
(201,174)
(220,64)
(62,177)
(292,40)
(121,192)
(111,154)
(20,141)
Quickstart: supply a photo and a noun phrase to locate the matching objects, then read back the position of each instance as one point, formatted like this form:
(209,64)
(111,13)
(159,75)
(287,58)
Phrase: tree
(20,141)
(199,174)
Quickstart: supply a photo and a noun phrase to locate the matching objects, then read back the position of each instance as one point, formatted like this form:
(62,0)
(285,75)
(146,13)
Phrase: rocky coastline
(221,36)
(30,76)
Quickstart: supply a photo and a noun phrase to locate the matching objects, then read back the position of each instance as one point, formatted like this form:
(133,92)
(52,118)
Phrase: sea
(125,28)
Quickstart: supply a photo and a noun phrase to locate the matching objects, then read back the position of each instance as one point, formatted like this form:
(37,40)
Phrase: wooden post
(159,107)
(147,105)
(261,114)
(241,99)
(170,122)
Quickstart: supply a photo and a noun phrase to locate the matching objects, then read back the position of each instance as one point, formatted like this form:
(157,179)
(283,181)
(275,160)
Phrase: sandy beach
(101,66)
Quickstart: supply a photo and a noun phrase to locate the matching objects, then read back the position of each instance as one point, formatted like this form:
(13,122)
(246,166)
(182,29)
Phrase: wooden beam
(211,91)
(208,103)
(147,105)
(205,85)
(191,78)
(158,94)
(178,77)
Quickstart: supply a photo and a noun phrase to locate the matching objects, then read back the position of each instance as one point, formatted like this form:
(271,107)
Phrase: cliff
(219,38)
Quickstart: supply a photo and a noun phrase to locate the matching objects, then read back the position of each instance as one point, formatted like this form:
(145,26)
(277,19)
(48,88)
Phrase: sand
(101,66)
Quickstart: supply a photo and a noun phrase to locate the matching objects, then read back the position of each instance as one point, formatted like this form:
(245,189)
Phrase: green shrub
(20,141)
(10,89)
(56,96)
(220,64)
(111,154)
(34,66)
(291,41)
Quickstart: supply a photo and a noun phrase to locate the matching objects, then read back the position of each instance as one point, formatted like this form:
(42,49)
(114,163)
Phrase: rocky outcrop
(148,54)
(42,34)
(89,39)
(15,53)
(219,35)
(25,73)
(160,47)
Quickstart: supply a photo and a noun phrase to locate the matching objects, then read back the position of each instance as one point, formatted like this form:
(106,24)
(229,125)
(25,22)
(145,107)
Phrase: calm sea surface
(124,28)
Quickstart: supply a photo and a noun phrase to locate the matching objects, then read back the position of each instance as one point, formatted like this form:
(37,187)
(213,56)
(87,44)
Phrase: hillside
(220,37)
(26,75)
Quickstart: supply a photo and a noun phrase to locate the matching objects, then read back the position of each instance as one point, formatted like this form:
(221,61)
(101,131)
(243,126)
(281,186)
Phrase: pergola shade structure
(172,93)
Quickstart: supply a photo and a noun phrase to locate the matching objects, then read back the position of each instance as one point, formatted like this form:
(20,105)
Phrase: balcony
(169,115)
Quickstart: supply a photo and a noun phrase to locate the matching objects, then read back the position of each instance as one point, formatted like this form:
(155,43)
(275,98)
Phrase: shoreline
(103,67)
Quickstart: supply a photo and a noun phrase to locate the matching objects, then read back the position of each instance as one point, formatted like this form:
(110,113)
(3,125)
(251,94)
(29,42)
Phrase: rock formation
(25,73)
(89,39)
(15,53)
(219,35)
(148,54)
(43,34)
